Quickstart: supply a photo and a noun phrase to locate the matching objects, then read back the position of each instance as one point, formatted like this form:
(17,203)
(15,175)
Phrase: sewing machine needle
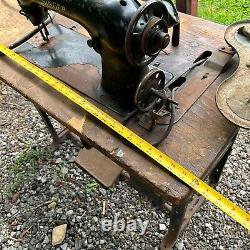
(44,34)
(45,29)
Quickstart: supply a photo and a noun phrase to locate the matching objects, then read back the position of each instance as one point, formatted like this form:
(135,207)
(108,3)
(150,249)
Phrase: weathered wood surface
(12,25)
(196,141)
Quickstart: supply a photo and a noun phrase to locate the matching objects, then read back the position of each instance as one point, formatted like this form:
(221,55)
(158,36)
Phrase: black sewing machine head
(128,36)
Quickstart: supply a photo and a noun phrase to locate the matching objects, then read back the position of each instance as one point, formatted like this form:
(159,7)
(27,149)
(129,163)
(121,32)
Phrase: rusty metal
(180,215)
(32,33)
(126,54)
(233,95)
(54,57)
(57,137)
(50,127)
(205,143)
(144,99)
(152,45)
(148,17)
(156,106)
(64,48)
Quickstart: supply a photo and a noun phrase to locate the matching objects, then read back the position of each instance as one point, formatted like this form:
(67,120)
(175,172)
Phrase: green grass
(224,11)
(62,173)
(24,167)
(91,187)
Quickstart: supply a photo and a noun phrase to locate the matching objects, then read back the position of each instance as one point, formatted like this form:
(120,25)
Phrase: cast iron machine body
(128,36)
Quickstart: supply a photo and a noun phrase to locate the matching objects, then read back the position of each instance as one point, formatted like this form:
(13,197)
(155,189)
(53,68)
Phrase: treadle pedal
(99,166)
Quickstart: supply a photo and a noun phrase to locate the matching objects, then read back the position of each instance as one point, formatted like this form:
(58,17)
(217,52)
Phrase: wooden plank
(181,6)
(99,166)
(12,24)
(193,7)
(187,6)
(196,141)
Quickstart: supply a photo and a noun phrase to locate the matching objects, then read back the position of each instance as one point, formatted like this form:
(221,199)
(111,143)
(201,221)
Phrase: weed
(112,189)
(62,173)
(91,187)
(24,167)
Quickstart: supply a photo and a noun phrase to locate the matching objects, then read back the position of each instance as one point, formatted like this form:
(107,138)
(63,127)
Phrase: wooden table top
(196,141)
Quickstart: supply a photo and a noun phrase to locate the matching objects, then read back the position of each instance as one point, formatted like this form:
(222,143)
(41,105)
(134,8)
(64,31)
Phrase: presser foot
(154,125)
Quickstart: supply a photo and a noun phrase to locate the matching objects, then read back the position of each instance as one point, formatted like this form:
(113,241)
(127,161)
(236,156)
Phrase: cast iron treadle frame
(59,137)
(107,175)
(90,160)
(56,137)
(180,215)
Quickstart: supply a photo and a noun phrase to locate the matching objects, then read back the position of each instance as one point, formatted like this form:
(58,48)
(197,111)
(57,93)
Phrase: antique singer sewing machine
(129,69)
(118,70)
(128,38)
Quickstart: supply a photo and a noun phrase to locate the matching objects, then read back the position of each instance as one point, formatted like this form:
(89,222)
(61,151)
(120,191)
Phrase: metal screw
(90,43)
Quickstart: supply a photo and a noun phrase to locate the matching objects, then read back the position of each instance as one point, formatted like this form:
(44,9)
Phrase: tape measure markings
(179,171)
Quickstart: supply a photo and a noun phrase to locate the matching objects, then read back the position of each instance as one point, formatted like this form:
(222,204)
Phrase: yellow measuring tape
(166,162)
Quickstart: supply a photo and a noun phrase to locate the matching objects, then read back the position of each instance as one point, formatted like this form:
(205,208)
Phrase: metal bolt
(163,39)
(90,43)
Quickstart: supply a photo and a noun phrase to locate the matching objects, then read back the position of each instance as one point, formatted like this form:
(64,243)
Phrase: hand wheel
(147,33)
(144,97)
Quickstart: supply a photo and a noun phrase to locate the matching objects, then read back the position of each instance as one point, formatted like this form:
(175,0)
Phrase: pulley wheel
(143,25)
(144,98)
(155,37)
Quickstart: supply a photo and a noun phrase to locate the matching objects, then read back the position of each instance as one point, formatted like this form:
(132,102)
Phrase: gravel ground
(40,190)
